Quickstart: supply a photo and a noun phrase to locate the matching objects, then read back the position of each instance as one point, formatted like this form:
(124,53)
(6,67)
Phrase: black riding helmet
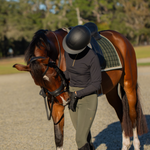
(77,39)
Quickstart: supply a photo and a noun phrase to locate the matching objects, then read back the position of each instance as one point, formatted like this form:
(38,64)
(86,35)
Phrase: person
(84,72)
(10,52)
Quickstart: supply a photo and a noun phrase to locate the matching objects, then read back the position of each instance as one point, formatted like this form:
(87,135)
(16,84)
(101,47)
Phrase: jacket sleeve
(96,79)
(66,73)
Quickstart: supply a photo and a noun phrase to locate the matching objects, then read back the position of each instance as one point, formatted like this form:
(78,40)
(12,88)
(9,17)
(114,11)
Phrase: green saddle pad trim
(110,55)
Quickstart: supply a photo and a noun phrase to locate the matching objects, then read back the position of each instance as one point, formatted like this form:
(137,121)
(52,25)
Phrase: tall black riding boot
(92,146)
(85,147)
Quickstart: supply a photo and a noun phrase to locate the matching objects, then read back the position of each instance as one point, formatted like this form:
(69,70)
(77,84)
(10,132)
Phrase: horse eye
(45,77)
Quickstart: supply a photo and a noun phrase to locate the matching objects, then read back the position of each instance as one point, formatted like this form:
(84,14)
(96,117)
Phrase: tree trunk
(78,16)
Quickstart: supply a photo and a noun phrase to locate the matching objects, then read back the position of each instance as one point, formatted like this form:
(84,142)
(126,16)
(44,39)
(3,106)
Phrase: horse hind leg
(136,141)
(134,121)
(115,101)
(141,125)
(126,144)
(132,101)
(129,115)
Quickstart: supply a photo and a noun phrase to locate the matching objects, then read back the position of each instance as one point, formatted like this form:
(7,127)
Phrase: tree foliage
(20,19)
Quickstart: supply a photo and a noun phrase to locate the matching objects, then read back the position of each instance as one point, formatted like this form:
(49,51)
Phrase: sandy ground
(24,126)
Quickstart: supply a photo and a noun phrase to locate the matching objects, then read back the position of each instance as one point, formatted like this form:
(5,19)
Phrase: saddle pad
(112,60)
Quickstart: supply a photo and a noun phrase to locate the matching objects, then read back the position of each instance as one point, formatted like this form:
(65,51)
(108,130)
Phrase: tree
(132,18)
(18,21)
(97,11)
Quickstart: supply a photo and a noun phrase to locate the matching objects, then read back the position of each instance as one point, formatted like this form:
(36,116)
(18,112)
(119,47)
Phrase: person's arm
(66,73)
(96,78)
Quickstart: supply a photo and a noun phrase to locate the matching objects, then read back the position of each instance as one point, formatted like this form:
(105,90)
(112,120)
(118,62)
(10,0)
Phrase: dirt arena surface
(24,126)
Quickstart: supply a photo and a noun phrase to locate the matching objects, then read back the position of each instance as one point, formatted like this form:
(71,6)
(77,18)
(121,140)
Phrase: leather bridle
(58,91)
(62,88)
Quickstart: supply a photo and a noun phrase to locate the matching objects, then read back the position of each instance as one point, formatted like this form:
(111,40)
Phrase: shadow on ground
(112,137)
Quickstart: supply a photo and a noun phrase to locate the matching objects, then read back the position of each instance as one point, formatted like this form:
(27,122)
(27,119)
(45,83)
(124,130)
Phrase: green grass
(8,70)
(143,64)
(142,52)
(6,65)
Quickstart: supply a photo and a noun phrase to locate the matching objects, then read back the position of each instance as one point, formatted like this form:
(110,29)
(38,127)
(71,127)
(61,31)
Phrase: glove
(73,101)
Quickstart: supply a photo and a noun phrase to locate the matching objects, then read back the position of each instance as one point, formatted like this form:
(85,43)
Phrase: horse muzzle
(65,103)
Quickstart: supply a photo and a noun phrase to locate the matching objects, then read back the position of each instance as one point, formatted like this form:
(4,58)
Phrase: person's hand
(73,101)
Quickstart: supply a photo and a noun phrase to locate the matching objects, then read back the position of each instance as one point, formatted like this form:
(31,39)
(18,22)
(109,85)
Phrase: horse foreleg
(58,118)
(58,137)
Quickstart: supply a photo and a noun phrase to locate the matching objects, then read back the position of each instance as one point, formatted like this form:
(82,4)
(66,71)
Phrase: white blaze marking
(46,77)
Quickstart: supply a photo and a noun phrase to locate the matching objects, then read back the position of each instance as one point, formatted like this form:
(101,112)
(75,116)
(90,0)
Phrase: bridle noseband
(55,93)
(52,64)
(60,90)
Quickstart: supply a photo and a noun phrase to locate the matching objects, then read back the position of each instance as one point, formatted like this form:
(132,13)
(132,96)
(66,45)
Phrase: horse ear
(22,67)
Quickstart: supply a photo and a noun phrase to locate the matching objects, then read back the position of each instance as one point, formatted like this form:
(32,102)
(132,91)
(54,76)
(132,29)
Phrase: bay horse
(46,63)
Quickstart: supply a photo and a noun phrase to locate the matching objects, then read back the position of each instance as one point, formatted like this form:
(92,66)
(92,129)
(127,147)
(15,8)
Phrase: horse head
(42,62)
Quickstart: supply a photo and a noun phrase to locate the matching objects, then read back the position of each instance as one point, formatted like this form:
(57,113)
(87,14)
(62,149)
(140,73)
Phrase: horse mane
(38,38)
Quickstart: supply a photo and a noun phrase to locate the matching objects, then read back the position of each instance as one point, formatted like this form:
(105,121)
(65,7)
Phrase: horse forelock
(38,39)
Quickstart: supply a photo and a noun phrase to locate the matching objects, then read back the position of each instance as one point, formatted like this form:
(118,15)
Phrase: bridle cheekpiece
(62,88)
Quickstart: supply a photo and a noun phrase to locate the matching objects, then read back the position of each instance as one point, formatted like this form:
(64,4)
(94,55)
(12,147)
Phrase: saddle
(106,52)
(95,36)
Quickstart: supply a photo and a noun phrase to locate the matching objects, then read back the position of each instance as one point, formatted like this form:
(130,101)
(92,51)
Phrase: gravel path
(24,126)
(143,60)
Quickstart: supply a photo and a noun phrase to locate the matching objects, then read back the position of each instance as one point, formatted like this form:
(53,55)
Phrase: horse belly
(109,80)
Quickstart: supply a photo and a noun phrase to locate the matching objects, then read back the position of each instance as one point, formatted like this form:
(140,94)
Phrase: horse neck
(57,52)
